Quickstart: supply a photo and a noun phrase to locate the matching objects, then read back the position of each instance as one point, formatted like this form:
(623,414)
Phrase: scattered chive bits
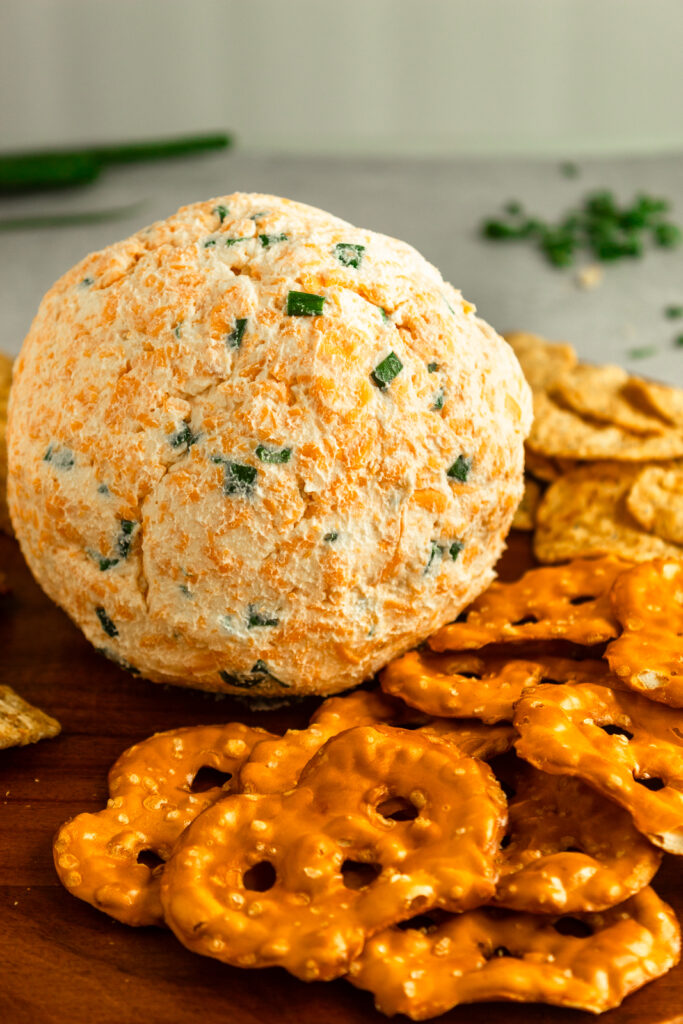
(432,367)
(455,549)
(277,456)
(304,304)
(209,242)
(386,371)
(349,255)
(254,618)
(460,469)
(673,312)
(234,241)
(598,226)
(678,341)
(239,480)
(641,352)
(234,338)
(221,212)
(383,313)
(61,458)
(438,400)
(435,551)
(183,436)
(267,240)
(330,537)
(106,623)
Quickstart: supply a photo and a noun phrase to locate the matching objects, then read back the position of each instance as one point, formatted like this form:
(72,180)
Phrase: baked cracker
(21,722)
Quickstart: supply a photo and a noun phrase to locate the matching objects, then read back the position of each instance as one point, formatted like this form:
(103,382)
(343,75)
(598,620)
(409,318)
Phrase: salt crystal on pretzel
(567,848)
(481,685)
(383,823)
(648,656)
(569,602)
(487,955)
(101,857)
(625,746)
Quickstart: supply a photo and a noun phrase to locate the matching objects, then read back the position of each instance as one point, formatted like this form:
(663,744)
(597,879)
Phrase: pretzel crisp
(478,685)
(472,737)
(569,602)
(567,848)
(277,761)
(491,955)
(623,745)
(340,859)
(97,856)
(648,656)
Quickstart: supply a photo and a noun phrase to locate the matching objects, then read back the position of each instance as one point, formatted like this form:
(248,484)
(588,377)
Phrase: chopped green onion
(678,341)
(438,401)
(455,549)
(304,304)
(106,623)
(61,458)
(267,240)
(432,367)
(103,489)
(668,236)
(239,479)
(242,682)
(435,550)
(460,468)
(208,242)
(234,241)
(385,316)
(332,536)
(184,590)
(642,352)
(125,538)
(274,455)
(348,254)
(183,436)
(234,339)
(255,618)
(386,371)
(674,312)
(86,282)
(221,212)
(260,666)
(106,563)
(176,330)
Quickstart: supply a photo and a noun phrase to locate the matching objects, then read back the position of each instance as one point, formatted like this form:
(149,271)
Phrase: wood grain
(61,960)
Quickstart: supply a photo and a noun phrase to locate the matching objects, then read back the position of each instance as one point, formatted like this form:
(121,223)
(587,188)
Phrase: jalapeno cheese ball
(256,448)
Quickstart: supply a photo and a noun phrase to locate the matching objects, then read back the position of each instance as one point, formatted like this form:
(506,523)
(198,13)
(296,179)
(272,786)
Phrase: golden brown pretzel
(567,848)
(648,604)
(97,856)
(625,746)
(473,738)
(569,602)
(491,955)
(341,860)
(276,763)
(478,685)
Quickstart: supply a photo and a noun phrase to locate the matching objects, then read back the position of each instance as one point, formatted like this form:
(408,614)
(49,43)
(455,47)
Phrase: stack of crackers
(604,459)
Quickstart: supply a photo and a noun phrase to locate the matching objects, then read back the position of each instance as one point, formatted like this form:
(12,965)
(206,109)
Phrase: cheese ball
(255,449)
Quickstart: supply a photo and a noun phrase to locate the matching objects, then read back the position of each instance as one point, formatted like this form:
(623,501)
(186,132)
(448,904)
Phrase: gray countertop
(435,204)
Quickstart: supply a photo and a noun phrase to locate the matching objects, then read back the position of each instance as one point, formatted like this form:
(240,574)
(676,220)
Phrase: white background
(344,76)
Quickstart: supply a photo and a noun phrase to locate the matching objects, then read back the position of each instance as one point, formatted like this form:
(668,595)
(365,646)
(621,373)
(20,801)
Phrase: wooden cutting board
(63,961)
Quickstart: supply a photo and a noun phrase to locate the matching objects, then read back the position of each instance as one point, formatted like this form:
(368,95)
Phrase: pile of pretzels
(484,826)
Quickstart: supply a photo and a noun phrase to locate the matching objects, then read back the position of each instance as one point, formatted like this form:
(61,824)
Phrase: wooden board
(63,961)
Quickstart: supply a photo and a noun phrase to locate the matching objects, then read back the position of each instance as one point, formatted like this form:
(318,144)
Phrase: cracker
(22,723)
(561,433)
(584,513)
(658,398)
(525,516)
(656,501)
(598,393)
(543,362)
(540,466)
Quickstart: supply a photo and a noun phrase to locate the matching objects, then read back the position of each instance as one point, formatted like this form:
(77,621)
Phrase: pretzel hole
(510,791)
(150,859)
(397,808)
(526,621)
(357,874)
(259,877)
(616,730)
(573,927)
(582,599)
(208,778)
(654,784)
(505,841)
(421,923)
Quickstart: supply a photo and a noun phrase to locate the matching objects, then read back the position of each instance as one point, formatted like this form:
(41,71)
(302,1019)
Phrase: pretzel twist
(568,848)
(313,916)
(648,656)
(491,955)
(151,802)
(625,746)
(482,686)
(569,602)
